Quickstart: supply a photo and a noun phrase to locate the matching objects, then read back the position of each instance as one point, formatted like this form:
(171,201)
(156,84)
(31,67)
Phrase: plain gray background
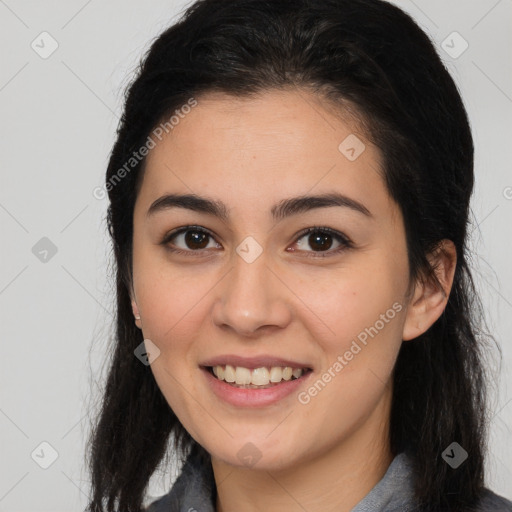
(58,120)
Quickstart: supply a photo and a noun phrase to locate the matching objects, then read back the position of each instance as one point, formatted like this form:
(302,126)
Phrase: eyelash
(345,242)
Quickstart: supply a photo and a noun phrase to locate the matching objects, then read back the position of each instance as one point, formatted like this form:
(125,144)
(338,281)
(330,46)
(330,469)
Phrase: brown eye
(196,239)
(320,240)
(189,240)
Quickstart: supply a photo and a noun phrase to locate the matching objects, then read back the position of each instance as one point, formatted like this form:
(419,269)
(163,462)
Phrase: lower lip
(243,397)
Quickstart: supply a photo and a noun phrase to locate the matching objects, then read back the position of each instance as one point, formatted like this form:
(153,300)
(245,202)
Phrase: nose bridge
(251,296)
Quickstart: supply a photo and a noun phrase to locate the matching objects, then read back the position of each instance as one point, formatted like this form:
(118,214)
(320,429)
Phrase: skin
(251,154)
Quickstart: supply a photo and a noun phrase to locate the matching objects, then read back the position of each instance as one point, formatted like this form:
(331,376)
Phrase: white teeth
(229,374)
(276,374)
(287,373)
(260,377)
(243,375)
(257,377)
(297,372)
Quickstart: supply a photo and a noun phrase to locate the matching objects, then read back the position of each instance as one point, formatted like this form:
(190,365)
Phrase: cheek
(358,323)
(173,308)
(169,296)
(346,303)
(360,336)
(170,307)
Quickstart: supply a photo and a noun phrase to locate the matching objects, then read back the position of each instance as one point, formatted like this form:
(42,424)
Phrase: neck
(337,479)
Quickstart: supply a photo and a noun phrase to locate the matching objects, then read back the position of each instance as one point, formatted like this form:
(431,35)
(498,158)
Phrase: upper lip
(253,362)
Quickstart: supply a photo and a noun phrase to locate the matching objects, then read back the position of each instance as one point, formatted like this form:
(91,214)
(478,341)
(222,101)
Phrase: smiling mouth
(257,378)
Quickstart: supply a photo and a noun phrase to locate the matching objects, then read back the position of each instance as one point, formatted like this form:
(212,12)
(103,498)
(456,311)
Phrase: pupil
(316,241)
(196,237)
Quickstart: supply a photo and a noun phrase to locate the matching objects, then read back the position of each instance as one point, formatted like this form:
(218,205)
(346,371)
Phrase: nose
(252,300)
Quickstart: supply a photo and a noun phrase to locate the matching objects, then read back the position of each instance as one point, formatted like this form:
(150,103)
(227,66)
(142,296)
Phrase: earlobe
(136,314)
(429,299)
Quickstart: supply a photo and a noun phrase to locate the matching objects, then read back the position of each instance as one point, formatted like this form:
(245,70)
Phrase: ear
(136,314)
(429,301)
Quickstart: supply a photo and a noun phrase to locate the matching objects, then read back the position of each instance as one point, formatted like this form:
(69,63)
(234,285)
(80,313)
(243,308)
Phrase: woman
(289,196)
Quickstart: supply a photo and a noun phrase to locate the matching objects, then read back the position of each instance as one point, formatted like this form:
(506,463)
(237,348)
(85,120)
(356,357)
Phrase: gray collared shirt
(194,491)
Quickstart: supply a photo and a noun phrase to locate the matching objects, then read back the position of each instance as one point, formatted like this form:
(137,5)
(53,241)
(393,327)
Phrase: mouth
(263,377)
(254,382)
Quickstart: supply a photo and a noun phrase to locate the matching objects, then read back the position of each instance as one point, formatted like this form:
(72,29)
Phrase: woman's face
(249,290)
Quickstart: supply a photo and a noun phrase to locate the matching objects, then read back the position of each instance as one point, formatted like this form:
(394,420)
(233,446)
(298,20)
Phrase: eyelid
(345,242)
(182,229)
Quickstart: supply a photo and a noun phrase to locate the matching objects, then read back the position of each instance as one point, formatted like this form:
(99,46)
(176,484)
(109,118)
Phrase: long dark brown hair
(369,54)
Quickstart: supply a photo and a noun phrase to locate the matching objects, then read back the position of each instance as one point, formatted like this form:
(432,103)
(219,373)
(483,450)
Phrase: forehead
(252,152)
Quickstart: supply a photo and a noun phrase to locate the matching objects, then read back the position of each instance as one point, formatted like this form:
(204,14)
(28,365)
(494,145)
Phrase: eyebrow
(281,210)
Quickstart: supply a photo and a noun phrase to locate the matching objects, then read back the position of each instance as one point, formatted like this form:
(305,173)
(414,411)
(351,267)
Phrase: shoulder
(193,490)
(491,502)
(488,502)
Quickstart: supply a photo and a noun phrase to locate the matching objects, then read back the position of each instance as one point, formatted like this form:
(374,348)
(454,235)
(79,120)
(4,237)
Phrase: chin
(257,454)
